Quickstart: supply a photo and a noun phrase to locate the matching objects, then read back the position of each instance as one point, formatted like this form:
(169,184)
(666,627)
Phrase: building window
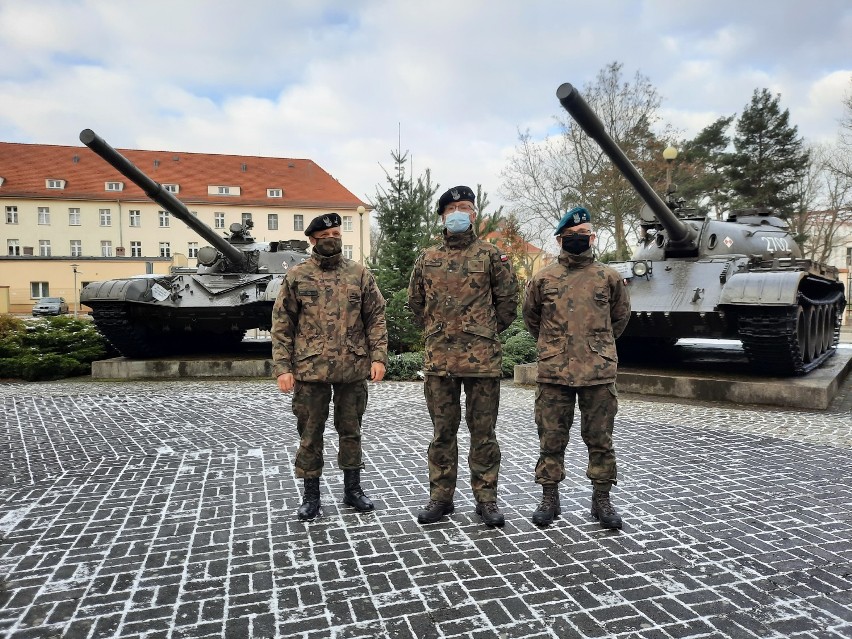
(347,251)
(165,249)
(56,184)
(44,248)
(76,248)
(39,290)
(192,249)
(272,221)
(347,222)
(114,186)
(106,248)
(273,193)
(44,215)
(14,247)
(219,220)
(105,217)
(136,249)
(74,217)
(247,220)
(224,190)
(164,219)
(11,215)
(849,257)
(298,222)
(135,218)
(171,188)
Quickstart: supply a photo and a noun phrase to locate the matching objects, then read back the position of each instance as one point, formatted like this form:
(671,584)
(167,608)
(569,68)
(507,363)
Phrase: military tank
(191,310)
(742,278)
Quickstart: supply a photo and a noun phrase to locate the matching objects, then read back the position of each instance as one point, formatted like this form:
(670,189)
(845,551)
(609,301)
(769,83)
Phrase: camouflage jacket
(576,309)
(328,322)
(463,292)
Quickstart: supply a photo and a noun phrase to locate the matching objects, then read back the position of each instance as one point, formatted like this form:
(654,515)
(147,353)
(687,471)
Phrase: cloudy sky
(343,82)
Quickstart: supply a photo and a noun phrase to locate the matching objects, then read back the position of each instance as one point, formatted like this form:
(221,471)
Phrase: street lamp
(76,292)
(361,210)
(669,155)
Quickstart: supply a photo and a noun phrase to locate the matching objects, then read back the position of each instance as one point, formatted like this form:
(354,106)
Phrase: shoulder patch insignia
(504,257)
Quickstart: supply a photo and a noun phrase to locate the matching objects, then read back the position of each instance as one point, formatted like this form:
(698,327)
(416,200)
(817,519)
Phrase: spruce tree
(702,178)
(405,215)
(769,157)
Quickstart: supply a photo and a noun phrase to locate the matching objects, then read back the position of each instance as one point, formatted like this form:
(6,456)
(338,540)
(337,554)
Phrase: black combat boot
(549,508)
(491,515)
(352,493)
(603,510)
(311,501)
(434,510)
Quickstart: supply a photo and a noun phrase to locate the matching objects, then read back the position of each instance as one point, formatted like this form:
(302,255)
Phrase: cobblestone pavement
(164,509)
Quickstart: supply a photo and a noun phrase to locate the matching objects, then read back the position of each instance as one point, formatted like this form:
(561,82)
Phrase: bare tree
(825,192)
(544,178)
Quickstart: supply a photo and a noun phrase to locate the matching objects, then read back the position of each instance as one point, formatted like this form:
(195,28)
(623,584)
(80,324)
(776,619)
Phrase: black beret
(322,222)
(577,215)
(456,194)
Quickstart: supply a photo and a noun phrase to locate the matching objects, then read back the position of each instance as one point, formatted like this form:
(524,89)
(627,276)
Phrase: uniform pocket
(602,295)
(550,349)
(353,294)
(603,343)
(481,331)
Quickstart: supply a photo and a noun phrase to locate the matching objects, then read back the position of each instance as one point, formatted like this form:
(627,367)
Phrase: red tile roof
(497,236)
(26,167)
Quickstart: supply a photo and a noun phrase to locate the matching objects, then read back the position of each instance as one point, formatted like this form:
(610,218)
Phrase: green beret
(577,215)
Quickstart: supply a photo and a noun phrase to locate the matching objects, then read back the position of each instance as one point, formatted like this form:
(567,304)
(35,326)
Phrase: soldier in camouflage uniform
(329,335)
(575,309)
(463,292)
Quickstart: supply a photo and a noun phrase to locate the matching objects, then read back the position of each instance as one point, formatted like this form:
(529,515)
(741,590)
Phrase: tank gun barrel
(680,235)
(158,194)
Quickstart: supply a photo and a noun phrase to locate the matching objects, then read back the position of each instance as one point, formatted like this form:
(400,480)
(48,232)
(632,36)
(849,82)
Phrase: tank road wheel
(827,327)
(818,330)
(802,332)
(814,339)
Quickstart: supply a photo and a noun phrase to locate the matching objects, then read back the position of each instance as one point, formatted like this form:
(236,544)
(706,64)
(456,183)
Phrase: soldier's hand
(377,372)
(286,382)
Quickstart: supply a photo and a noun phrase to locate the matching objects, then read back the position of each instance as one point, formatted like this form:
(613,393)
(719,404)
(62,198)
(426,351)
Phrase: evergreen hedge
(48,348)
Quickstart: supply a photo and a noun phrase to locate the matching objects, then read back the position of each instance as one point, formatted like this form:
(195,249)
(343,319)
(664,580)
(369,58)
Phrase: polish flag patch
(504,258)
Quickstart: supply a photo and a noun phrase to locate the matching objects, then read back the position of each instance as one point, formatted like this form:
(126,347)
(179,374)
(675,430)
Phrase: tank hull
(786,313)
(183,313)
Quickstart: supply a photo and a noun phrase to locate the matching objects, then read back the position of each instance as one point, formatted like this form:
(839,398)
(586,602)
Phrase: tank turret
(203,309)
(742,278)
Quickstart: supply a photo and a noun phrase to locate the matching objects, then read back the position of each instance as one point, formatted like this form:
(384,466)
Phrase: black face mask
(328,246)
(576,244)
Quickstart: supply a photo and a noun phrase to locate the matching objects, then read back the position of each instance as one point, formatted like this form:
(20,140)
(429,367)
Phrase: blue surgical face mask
(457,222)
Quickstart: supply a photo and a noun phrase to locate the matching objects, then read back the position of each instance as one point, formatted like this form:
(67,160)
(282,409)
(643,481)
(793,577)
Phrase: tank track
(135,341)
(114,323)
(773,337)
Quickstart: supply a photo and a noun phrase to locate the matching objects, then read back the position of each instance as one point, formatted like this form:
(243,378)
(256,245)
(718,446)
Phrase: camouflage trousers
(310,406)
(482,400)
(554,414)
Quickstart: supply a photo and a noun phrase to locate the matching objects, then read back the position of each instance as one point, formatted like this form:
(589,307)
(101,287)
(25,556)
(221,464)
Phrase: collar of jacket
(459,240)
(577,261)
(327,263)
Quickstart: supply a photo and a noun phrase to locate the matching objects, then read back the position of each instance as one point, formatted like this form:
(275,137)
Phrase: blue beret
(322,222)
(577,215)
(456,194)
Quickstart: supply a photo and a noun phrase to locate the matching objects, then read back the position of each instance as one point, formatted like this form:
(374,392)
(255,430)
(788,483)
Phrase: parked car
(50,306)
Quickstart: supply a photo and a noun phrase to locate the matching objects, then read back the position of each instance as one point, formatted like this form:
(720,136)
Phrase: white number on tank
(776,243)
